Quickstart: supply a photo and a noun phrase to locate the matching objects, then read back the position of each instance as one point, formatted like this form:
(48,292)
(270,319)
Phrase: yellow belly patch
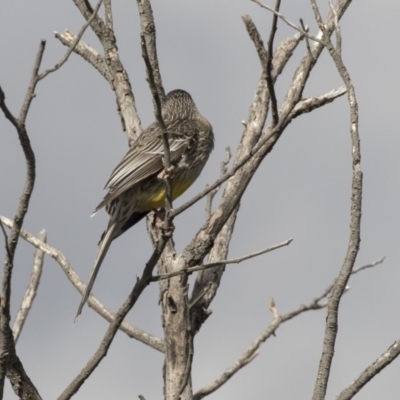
(157,199)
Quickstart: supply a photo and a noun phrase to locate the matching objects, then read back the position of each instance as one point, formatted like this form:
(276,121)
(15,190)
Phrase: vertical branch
(270,82)
(108,14)
(149,36)
(175,302)
(119,77)
(158,113)
(331,327)
(31,290)
(7,346)
(337,28)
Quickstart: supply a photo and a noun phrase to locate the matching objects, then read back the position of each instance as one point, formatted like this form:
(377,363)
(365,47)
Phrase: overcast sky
(302,190)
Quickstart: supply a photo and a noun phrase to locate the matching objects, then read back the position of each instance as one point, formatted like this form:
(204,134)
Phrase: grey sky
(302,190)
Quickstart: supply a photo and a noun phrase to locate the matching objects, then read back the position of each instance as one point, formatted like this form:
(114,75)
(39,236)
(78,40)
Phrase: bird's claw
(167,173)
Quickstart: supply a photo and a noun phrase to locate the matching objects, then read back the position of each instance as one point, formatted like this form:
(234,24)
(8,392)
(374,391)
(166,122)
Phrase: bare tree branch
(105,344)
(257,114)
(58,256)
(270,82)
(291,24)
(87,53)
(73,44)
(305,29)
(7,346)
(31,290)
(97,23)
(371,371)
(312,103)
(108,15)
(5,240)
(212,194)
(254,349)
(118,79)
(158,113)
(218,263)
(253,148)
(20,382)
(370,265)
(337,28)
(257,40)
(331,326)
(148,29)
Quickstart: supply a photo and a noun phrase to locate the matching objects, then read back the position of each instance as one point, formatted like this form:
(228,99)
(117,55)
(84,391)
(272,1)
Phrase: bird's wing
(144,158)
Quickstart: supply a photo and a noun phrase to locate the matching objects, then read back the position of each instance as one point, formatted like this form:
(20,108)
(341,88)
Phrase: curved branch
(331,326)
(73,277)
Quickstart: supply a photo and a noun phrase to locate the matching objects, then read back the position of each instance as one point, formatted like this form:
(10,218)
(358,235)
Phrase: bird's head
(178,104)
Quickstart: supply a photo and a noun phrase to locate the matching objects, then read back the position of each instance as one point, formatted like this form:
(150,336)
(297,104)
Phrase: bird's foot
(167,173)
(159,222)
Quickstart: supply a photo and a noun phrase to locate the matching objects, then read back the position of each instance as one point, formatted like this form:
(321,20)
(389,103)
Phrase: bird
(136,186)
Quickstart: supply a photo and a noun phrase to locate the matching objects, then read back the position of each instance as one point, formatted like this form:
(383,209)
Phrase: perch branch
(158,113)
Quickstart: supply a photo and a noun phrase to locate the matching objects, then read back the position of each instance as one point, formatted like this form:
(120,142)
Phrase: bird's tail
(103,248)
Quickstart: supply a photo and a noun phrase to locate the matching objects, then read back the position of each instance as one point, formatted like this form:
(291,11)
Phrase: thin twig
(270,83)
(212,194)
(370,265)
(291,24)
(219,263)
(31,290)
(73,45)
(372,370)
(306,29)
(5,240)
(73,277)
